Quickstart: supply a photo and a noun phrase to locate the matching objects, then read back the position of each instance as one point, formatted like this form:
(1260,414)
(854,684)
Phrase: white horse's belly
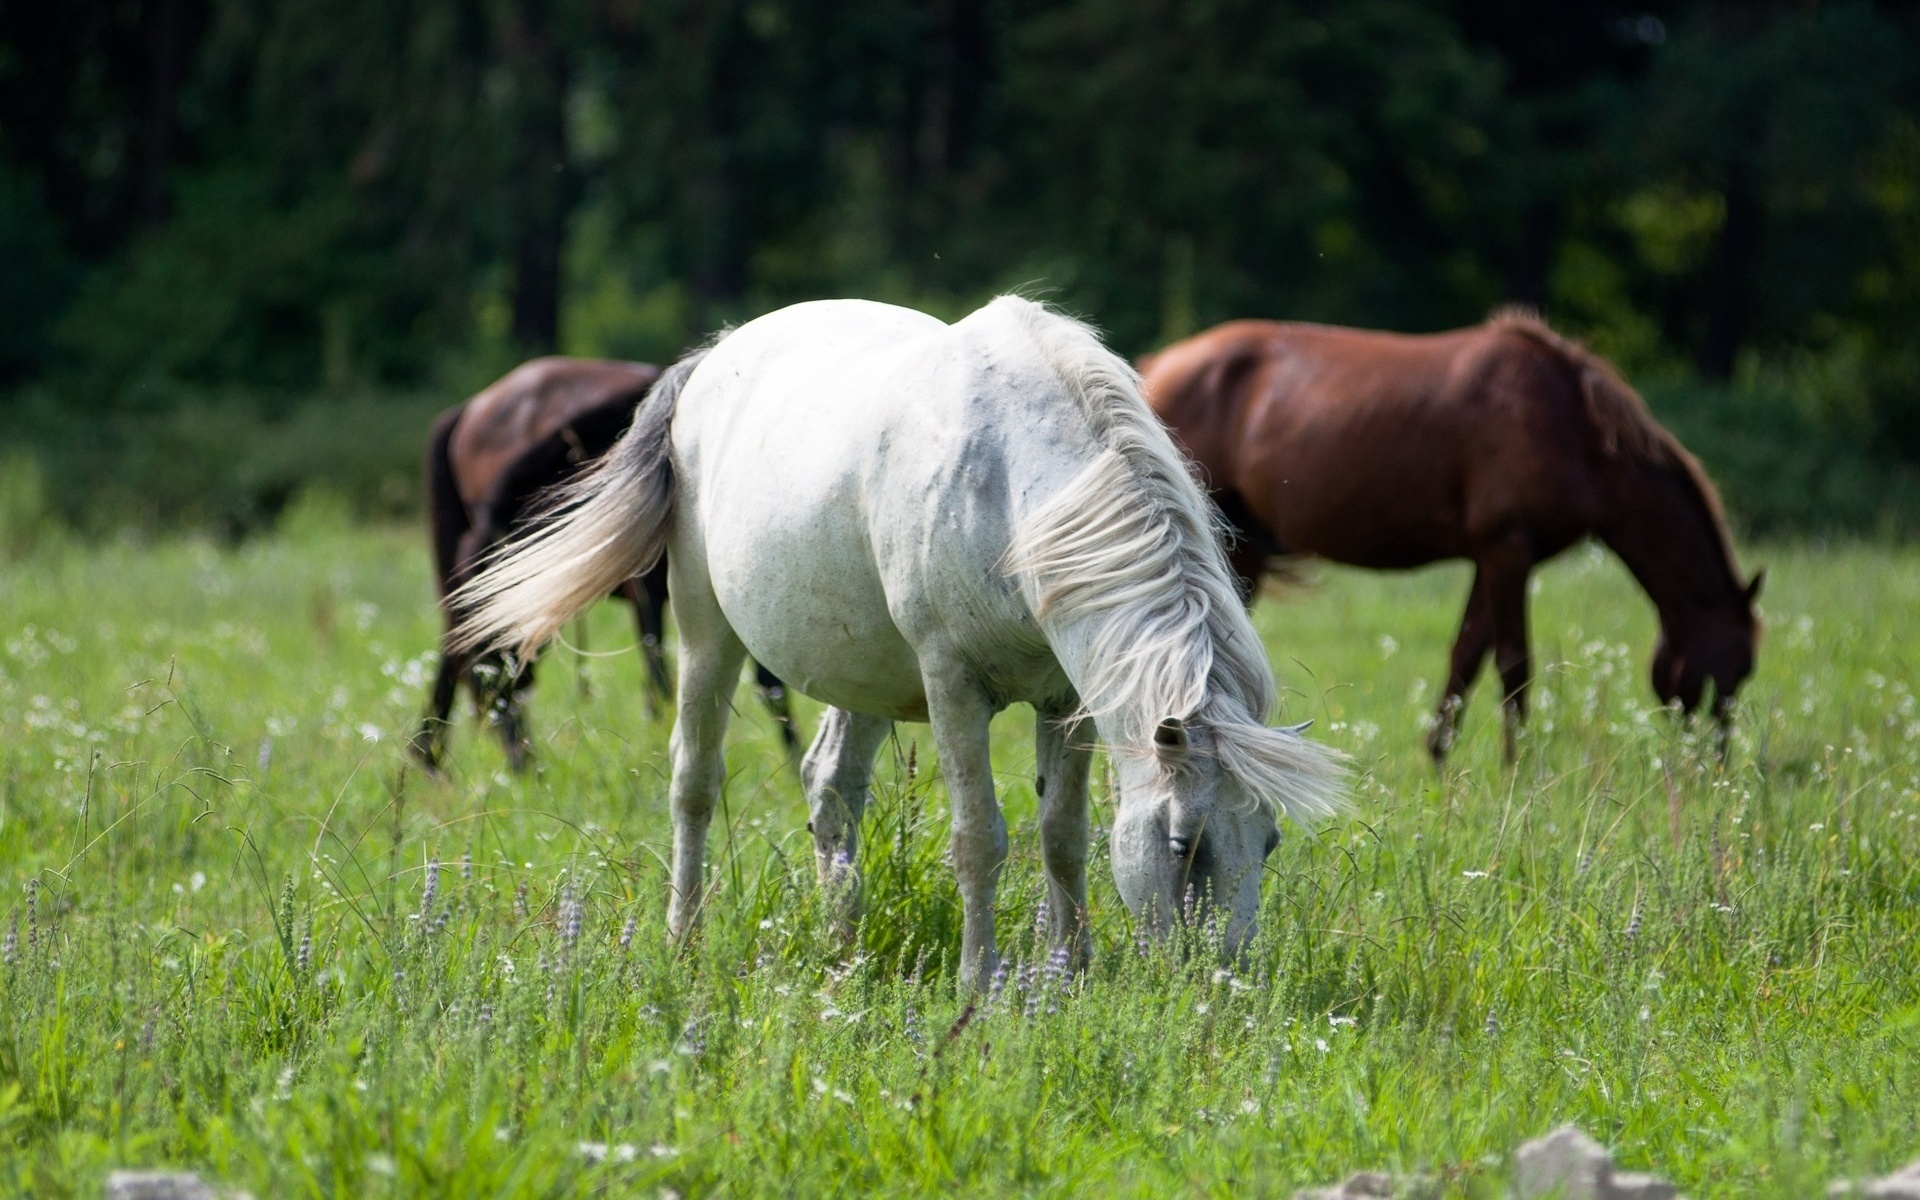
(818,621)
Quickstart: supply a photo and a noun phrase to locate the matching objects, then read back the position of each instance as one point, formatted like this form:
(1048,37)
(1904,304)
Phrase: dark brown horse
(1502,444)
(489,461)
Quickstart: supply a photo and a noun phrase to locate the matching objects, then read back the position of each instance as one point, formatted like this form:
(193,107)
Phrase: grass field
(240,936)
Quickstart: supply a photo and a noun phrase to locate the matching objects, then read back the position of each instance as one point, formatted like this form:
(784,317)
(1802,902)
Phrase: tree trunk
(542,182)
(1729,293)
(164,28)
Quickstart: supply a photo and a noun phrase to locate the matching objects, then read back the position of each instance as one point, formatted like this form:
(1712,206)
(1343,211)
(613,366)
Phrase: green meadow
(243,936)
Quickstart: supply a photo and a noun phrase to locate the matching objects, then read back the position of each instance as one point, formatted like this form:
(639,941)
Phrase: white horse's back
(851,473)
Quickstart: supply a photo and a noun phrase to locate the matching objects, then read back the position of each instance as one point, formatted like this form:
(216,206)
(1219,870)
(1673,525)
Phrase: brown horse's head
(1714,645)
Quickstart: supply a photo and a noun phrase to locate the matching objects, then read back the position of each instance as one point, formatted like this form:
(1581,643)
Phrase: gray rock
(157,1185)
(1903,1184)
(1627,1185)
(1566,1163)
(1373,1185)
(1572,1166)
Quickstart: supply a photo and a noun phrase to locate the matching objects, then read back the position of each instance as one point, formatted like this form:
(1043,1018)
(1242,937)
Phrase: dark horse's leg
(430,742)
(447,522)
(648,595)
(774,693)
(500,685)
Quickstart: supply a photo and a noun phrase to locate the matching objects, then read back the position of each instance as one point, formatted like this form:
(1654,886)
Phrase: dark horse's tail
(446,510)
(602,529)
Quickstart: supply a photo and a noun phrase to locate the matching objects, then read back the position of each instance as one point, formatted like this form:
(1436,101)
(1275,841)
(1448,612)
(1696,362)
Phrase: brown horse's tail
(446,510)
(600,530)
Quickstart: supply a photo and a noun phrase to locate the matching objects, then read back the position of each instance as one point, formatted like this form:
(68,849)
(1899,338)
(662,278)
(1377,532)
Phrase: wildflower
(520,900)
(33,915)
(304,954)
(570,916)
(1056,969)
(1633,924)
(1493,1022)
(430,888)
(627,930)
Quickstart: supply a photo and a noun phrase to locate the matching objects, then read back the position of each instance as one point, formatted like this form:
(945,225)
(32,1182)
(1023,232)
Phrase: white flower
(1473,874)
(198,881)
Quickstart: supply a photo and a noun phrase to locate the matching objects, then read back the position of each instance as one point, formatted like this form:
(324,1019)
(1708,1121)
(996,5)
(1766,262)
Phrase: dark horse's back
(489,461)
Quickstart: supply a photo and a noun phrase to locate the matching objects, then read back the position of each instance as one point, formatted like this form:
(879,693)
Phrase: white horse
(917,521)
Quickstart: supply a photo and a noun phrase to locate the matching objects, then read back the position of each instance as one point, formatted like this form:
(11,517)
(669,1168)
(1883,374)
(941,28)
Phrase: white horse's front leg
(1064,754)
(837,771)
(959,711)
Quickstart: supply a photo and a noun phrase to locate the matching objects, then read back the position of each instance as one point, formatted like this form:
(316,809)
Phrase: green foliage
(329,199)
(235,287)
(226,953)
(35,277)
(217,462)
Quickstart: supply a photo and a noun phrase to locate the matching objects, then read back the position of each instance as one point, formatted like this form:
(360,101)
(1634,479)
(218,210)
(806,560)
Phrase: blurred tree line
(246,229)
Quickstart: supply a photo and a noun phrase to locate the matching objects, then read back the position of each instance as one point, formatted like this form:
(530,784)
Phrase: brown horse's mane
(1627,427)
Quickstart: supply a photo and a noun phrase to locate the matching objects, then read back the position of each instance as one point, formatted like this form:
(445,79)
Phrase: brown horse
(1502,444)
(489,462)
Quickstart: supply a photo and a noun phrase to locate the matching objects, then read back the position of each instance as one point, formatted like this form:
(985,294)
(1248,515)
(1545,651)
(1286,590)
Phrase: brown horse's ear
(1170,740)
(1753,585)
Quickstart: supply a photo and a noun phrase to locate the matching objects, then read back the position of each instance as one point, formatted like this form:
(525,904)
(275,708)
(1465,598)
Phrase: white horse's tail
(597,532)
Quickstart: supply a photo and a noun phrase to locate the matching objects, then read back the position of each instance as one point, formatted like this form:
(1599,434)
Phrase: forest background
(248,247)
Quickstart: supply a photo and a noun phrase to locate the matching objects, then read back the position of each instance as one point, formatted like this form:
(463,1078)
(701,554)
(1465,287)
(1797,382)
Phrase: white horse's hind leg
(1064,753)
(710,658)
(837,770)
(959,711)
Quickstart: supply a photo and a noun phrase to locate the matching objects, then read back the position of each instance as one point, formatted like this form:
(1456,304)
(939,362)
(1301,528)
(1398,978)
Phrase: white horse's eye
(1180,846)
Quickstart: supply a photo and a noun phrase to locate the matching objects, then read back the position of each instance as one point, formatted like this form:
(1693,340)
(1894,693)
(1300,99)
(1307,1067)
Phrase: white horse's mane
(1131,547)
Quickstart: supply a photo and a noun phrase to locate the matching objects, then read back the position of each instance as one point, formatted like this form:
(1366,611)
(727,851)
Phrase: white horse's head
(1189,840)
(1128,580)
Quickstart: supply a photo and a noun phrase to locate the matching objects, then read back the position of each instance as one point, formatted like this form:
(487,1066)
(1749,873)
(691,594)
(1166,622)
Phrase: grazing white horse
(917,521)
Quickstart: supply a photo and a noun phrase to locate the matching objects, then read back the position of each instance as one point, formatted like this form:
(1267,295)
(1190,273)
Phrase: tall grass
(239,934)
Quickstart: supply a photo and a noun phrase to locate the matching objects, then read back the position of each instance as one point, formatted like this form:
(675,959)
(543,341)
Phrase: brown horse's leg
(1507,596)
(1470,648)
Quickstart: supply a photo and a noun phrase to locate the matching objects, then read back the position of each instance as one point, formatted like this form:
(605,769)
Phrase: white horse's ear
(1170,740)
